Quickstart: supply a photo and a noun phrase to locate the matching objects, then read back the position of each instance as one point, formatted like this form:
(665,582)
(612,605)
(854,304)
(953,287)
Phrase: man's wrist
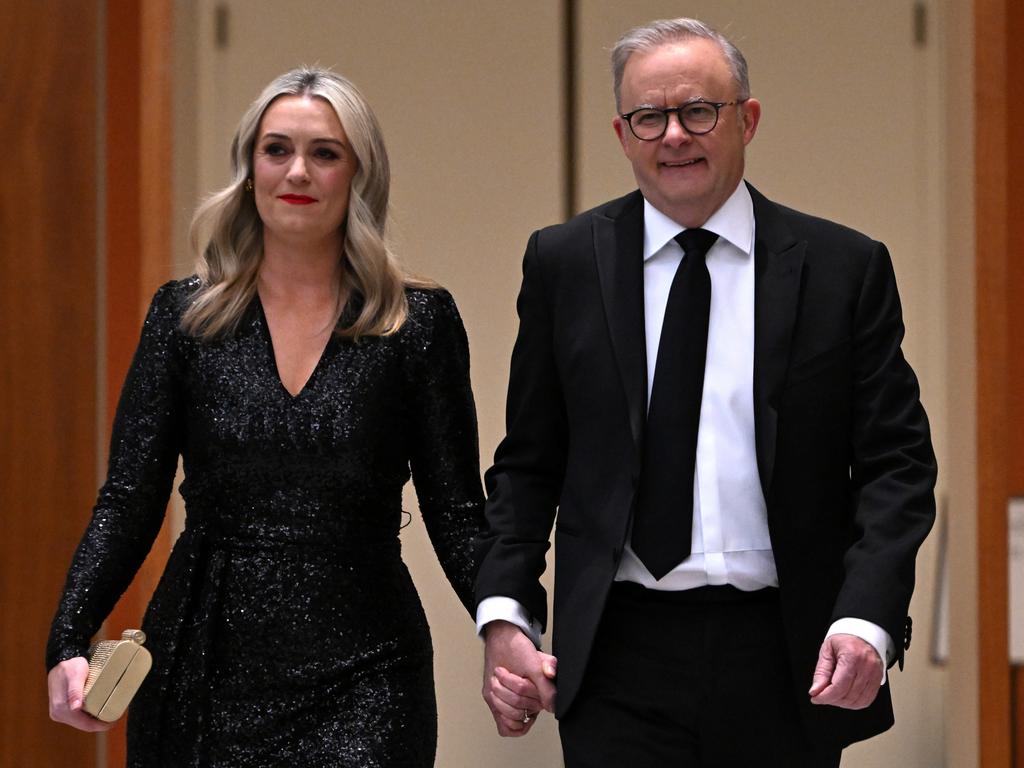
(508,610)
(870,633)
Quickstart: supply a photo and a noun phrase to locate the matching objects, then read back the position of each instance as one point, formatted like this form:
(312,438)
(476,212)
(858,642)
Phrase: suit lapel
(618,249)
(778,265)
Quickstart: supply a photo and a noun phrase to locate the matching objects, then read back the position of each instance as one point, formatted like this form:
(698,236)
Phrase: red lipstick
(297,199)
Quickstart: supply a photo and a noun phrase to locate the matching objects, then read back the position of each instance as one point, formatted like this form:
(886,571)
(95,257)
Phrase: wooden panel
(138,214)
(1012,310)
(999,239)
(1013,290)
(123,230)
(1017,716)
(48,348)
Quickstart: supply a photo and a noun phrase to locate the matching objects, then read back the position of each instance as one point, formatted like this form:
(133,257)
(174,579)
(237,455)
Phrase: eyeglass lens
(698,118)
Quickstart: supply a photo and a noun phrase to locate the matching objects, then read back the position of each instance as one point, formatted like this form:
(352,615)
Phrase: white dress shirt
(730,542)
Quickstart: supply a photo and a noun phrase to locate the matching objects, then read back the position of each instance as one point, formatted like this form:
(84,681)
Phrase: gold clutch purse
(116,670)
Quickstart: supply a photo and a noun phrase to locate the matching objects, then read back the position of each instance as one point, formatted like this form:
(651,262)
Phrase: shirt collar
(733,222)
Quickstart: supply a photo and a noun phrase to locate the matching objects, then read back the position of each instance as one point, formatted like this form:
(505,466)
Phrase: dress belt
(354,545)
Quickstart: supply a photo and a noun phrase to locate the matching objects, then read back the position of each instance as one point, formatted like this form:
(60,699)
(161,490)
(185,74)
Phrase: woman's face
(302,172)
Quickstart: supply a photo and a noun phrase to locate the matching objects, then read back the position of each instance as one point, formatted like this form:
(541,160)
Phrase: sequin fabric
(285,630)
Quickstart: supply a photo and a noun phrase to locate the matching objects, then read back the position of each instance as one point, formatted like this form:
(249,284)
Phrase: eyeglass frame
(678,113)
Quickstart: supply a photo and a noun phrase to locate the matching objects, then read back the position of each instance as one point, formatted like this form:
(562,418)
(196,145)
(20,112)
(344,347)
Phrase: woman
(300,376)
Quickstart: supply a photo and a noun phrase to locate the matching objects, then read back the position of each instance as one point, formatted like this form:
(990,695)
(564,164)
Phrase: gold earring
(248,186)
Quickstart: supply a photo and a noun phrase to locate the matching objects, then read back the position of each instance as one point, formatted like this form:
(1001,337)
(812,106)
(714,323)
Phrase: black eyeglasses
(697,117)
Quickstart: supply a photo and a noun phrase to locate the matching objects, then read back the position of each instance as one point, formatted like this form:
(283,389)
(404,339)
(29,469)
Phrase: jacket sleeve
(893,468)
(525,482)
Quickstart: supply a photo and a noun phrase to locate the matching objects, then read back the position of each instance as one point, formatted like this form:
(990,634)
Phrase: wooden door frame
(48,347)
(999,241)
(137,216)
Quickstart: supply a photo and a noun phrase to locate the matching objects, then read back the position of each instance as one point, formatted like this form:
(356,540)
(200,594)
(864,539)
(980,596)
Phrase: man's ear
(622,131)
(751,117)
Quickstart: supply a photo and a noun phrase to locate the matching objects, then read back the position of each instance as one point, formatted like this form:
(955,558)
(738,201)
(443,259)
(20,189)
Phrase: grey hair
(658,33)
(227,232)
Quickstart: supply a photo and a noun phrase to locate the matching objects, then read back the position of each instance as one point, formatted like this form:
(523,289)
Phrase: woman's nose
(297,169)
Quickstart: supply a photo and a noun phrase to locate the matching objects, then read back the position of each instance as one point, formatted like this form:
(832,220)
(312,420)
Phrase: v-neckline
(272,354)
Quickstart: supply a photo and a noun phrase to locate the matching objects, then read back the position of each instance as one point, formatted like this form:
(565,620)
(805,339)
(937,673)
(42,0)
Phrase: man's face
(686,177)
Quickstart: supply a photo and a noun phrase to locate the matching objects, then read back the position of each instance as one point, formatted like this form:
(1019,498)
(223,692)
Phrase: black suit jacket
(843,446)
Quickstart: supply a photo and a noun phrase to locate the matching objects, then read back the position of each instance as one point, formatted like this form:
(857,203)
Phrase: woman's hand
(65,682)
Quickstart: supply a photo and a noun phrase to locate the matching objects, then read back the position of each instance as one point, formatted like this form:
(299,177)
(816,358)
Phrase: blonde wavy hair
(227,232)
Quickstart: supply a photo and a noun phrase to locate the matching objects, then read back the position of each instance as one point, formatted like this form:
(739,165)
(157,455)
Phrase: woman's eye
(326,154)
(274,150)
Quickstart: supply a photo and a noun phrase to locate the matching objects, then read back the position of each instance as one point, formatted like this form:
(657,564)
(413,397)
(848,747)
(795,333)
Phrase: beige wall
(469,94)
(960,713)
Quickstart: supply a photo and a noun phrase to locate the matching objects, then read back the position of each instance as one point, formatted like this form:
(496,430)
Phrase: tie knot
(696,242)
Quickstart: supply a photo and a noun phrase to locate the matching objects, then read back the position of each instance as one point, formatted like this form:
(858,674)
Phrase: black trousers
(692,679)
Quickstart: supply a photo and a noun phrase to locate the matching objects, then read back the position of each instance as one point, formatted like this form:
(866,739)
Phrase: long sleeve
(445,459)
(525,482)
(130,508)
(893,466)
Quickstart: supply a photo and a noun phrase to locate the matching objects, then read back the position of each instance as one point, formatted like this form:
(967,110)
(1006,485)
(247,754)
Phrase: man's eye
(699,112)
(648,117)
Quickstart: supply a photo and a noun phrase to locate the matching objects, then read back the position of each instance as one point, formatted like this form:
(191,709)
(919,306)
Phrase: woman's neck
(310,272)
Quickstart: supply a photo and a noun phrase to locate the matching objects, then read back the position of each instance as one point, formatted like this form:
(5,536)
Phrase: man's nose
(675,133)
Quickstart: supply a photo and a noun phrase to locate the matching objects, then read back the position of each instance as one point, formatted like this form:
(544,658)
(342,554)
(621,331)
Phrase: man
(709,389)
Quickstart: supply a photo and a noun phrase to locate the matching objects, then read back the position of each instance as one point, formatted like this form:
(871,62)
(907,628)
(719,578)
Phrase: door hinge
(221,20)
(920,24)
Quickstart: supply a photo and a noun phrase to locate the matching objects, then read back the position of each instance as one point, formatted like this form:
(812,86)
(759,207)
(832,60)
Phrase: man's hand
(848,674)
(517,678)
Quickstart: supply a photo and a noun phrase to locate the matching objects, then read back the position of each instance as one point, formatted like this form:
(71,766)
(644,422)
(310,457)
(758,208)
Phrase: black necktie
(664,511)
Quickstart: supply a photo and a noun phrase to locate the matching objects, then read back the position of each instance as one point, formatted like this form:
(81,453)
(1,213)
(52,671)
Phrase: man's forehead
(685,68)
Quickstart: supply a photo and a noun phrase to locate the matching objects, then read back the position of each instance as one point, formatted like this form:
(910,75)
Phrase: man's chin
(690,208)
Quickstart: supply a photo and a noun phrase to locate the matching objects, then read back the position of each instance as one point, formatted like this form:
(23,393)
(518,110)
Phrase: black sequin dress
(285,630)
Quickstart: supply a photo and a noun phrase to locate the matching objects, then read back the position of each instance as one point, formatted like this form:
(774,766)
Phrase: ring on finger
(526,716)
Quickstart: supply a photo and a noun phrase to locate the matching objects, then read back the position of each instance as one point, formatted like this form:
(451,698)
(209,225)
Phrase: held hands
(517,679)
(65,682)
(848,674)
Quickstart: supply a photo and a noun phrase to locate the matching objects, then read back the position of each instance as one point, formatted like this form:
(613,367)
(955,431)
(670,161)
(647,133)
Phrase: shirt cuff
(870,633)
(510,610)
